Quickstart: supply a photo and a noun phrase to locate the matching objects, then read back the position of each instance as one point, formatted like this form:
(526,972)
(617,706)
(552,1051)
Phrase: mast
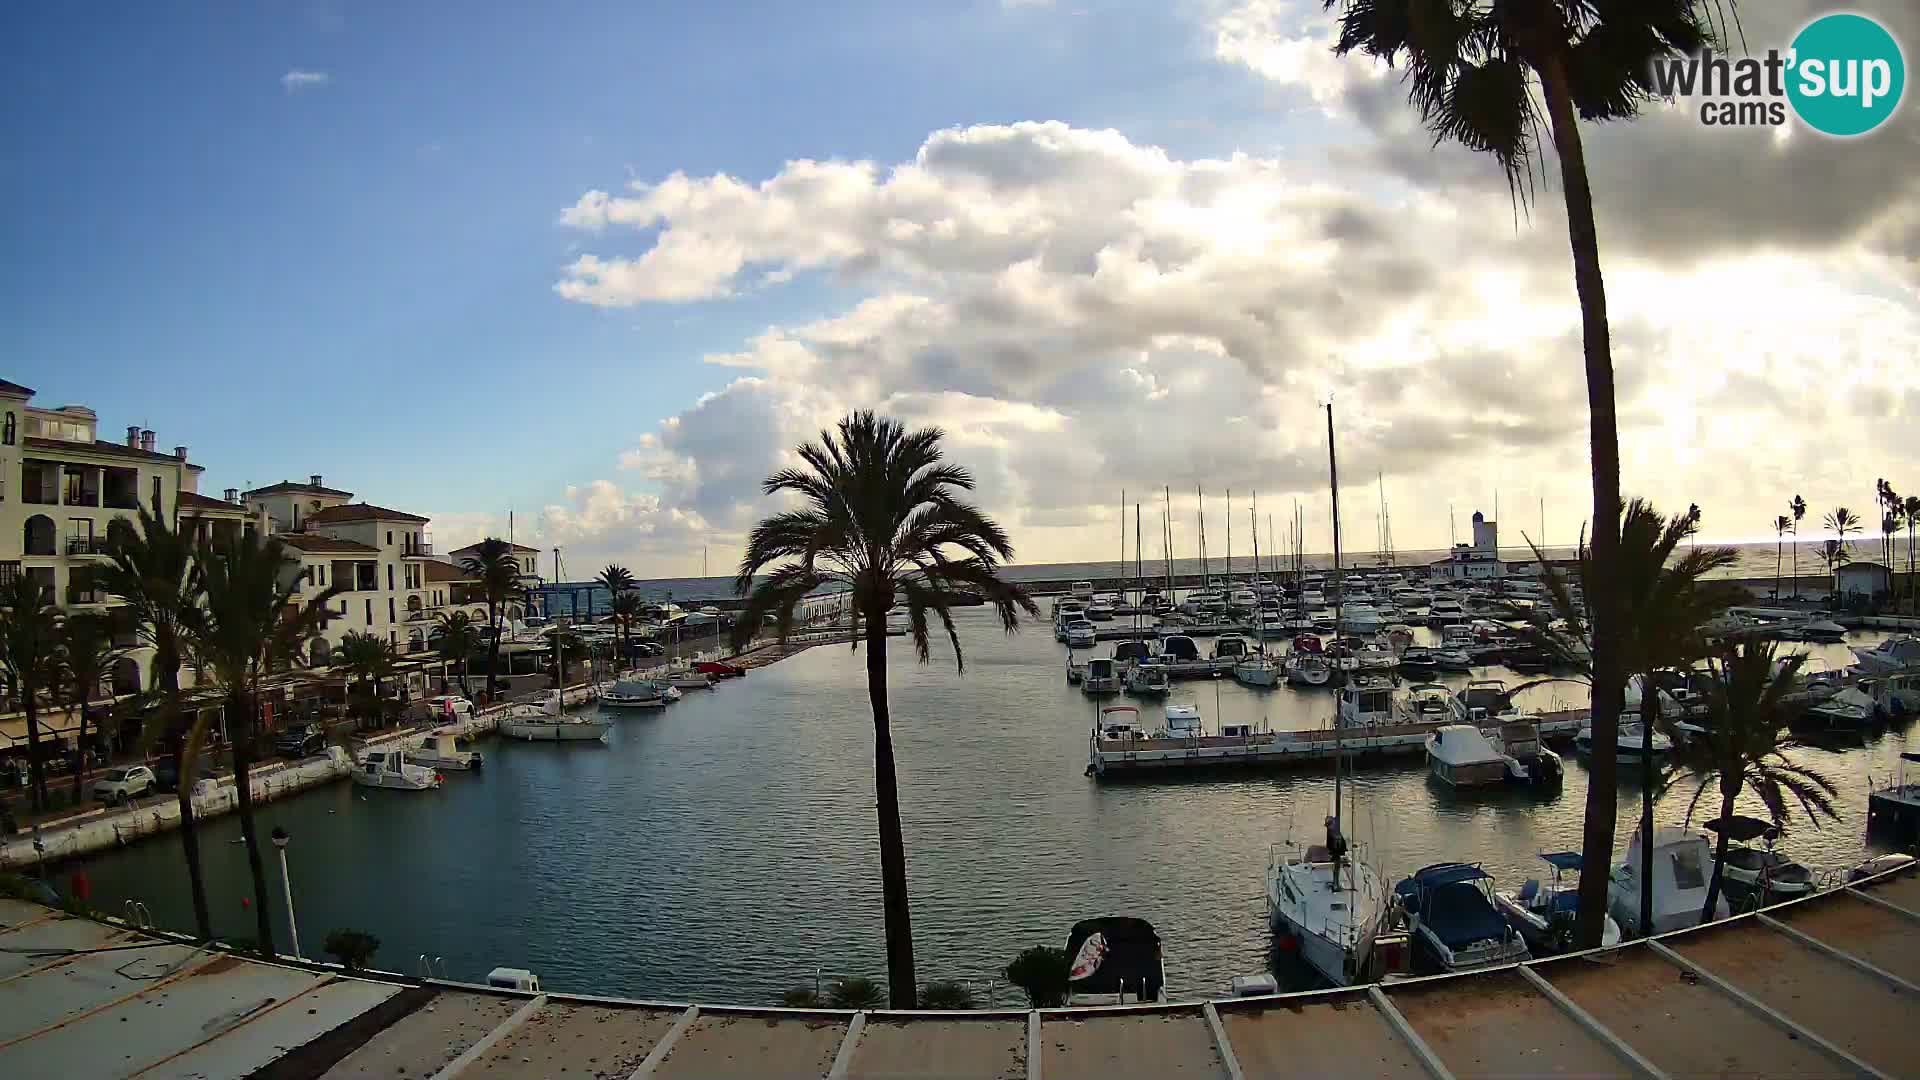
(1333,482)
(1120,568)
(1139,593)
(1259,609)
(1166,536)
(1229,541)
(1201,513)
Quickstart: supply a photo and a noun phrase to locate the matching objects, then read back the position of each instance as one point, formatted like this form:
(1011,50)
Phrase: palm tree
(1664,604)
(1742,747)
(458,638)
(1842,523)
(153,573)
(493,564)
(1799,508)
(1472,70)
(880,517)
(252,622)
(617,580)
(30,660)
(627,608)
(1780,526)
(87,655)
(369,659)
(1911,507)
(1890,504)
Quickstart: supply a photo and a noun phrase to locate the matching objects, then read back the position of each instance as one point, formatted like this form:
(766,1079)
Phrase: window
(1687,871)
(7,433)
(389,537)
(369,613)
(390,617)
(156,494)
(389,567)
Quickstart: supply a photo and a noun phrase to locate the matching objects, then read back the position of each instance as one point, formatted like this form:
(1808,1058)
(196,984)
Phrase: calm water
(725,848)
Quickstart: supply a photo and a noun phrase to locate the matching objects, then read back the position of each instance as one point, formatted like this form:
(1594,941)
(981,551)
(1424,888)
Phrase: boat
(1461,756)
(1307,669)
(442,750)
(899,621)
(1893,695)
(1179,649)
(391,769)
(1529,760)
(1257,670)
(1183,722)
(1419,660)
(1450,913)
(1148,680)
(719,669)
(547,722)
(1366,701)
(1682,862)
(1081,634)
(1102,676)
(632,692)
(1484,699)
(1231,647)
(1757,876)
(1452,659)
(1101,609)
(1115,961)
(1445,612)
(1850,708)
(1821,630)
(1081,591)
(1894,807)
(1629,742)
(685,678)
(1892,655)
(1544,913)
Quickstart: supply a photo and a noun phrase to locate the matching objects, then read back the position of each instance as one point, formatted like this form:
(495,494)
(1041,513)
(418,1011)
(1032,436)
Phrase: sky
(603,265)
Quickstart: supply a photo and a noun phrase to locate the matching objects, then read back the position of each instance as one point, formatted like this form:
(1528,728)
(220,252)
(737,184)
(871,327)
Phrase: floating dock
(1824,986)
(1282,749)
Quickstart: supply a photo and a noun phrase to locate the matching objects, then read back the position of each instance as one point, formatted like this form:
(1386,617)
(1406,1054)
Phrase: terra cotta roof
(359,512)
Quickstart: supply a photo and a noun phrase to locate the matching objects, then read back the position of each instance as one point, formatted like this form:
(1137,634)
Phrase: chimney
(314,480)
(146,439)
(133,435)
(179,453)
(233,495)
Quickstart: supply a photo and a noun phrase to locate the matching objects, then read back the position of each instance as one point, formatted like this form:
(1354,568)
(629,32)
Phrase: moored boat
(1102,676)
(1682,863)
(633,692)
(443,750)
(391,769)
(1544,912)
(1450,913)
(1459,755)
(1115,961)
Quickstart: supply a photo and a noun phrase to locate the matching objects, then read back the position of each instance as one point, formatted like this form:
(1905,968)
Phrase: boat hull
(554,730)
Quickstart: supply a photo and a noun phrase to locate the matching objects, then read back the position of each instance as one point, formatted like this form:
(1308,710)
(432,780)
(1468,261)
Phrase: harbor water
(724,849)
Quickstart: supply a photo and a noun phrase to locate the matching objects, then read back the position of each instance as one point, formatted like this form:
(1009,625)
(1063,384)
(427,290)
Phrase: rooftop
(108,448)
(334,515)
(193,500)
(320,545)
(289,487)
(440,571)
(476,547)
(1816,987)
(14,389)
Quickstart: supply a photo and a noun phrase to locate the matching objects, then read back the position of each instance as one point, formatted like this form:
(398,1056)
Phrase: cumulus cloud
(297,79)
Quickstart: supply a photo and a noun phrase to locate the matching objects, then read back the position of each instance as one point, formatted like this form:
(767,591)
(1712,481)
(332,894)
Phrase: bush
(353,948)
(800,997)
(857,994)
(946,995)
(1042,972)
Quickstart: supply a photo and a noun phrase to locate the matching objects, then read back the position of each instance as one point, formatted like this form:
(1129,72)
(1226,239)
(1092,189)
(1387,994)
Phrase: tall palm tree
(1799,509)
(1664,602)
(627,608)
(1842,523)
(1780,526)
(1472,71)
(154,574)
(30,660)
(458,637)
(1911,507)
(499,574)
(1890,504)
(87,655)
(253,622)
(618,581)
(880,516)
(369,659)
(1743,748)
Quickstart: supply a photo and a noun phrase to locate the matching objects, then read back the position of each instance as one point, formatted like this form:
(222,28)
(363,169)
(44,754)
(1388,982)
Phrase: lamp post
(280,840)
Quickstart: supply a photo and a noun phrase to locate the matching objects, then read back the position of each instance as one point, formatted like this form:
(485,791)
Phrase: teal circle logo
(1846,75)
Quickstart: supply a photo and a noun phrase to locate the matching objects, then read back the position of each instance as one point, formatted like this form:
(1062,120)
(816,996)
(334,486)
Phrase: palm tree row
(623,601)
(492,562)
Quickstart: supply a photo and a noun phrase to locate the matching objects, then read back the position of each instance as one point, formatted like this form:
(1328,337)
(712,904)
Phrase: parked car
(119,785)
(303,740)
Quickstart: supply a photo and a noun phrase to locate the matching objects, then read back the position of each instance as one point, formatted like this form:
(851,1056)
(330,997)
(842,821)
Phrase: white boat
(632,692)
(442,750)
(1101,609)
(689,679)
(1629,742)
(1894,695)
(1823,630)
(1892,655)
(547,722)
(1305,669)
(1081,590)
(1544,913)
(1450,912)
(1850,708)
(1445,612)
(1366,701)
(1148,680)
(899,622)
(1258,670)
(1183,722)
(1461,756)
(450,709)
(391,769)
(1332,906)
(1081,634)
(1682,863)
(1360,618)
(1101,676)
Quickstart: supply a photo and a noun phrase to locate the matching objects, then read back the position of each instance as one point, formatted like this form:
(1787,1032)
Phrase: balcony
(85,594)
(122,500)
(40,496)
(88,545)
(419,549)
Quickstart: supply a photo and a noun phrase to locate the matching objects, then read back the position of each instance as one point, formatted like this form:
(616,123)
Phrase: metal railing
(419,547)
(87,545)
(86,595)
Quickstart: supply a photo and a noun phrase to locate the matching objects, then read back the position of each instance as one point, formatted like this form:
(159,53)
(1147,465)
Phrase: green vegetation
(1042,972)
(493,563)
(353,948)
(946,995)
(857,993)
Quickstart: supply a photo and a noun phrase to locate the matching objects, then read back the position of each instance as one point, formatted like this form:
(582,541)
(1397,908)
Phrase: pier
(1822,986)
(1282,749)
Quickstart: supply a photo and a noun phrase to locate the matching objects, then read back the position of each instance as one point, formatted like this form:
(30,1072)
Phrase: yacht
(1101,676)
(1115,961)
(1183,722)
(1366,701)
(1306,669)
(1544,913)
(1894,806)
(1244,599)
(1258,670)
(1821,630)
(1445,611)
(1231,647)
(633,692)
(1081,634)
(1081,590)
(1629,742)
(1682,863)
(1331,905)
(1101,609)
(686,678)
(1850,708)
(1890,656)
(391,769)
(547,722)
(1529,760)
(1148,680)
(1450,913)
(443,750)
(1459,755)
(1360,617)
(1419,660)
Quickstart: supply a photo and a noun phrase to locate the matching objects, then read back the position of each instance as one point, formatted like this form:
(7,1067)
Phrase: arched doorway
(39,535)
(126,676)
(320,650)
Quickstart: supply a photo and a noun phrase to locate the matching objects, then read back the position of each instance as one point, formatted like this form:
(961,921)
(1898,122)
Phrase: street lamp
(280,840)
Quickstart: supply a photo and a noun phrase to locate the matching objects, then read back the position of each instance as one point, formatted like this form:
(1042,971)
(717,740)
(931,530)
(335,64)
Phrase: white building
(377,557)
(527,558)
(1478,561)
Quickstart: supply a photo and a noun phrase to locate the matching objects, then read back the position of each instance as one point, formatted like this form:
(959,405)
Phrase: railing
(40,498)
(86,596)
(87,545)
(420,548)
(82,498)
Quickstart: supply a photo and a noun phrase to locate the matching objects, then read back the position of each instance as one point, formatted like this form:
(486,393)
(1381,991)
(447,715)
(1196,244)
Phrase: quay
(1135,754)
(1821,986)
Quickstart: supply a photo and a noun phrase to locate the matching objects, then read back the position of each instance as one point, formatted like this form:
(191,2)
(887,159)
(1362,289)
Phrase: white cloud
(297,79)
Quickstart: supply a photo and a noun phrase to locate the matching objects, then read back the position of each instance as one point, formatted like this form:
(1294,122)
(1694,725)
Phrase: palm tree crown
(492,562)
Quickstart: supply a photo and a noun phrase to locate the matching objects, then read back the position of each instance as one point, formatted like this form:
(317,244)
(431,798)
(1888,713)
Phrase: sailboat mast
(1166,535)
(1201,512)
(1139,593)
(1333,482)
(1229,539)
(1259,609)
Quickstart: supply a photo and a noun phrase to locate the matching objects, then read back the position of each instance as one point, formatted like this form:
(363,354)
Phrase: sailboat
(1330,904)
(1259,669)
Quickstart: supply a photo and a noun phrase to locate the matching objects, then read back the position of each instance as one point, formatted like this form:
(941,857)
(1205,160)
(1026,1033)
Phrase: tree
(1472,70)
(1780,526)
(1045,973)
(1890,510)
(1799,508)
(87,654)
(879,516)
(1911,507)
(251,623)
(1664,603)
(1837,553)
(618,581)
(493,564)
(627,608)
(371,660)
(154,574)
(1743,748)
(458,637)
(30,660)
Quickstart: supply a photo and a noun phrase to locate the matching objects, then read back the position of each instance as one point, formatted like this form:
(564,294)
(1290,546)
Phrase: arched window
(6,430)
(39,535)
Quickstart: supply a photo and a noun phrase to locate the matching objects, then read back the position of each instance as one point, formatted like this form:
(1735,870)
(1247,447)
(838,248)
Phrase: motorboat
(1892,655)
(1081,634)
(1231,647)
(1081,590)
(1307,669)
(1544,912)
(1893,695)
(899,621)
(1330,905)
(449,709)
(1115,961)
(1419,660)
(1148,680)
(632,692)
(1821,630)
(1630,741)
(719,669)
(391,769)
(1529,760)
(1366,701)
(1756,876)
(1257,670)
(1894,806)
(1359,618)
(1682,863)
(1484,699)
(1850,708)
(1432,703)
(1075,671)
(1460,755)
(1136,652)
(1183,722)
(1101,609)
(1452,659)
(1179,649)
(1450,913)
(1445,612)
(1102,676)
(1244,599)
(442,750)
(686,678)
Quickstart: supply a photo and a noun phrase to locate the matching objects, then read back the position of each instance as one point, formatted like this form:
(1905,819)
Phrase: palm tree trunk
(80,745)
(1719,854)
(186,759)
(1776,568)
(493,650)
(901,987)
(1649,716)
(36,768)
(240,729)
(1796,565)
(1604,447)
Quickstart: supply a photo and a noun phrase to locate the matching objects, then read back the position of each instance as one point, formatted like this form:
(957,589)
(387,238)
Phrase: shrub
(946,995)
(1042,972)
(801,997)
(353,948)
(857,994)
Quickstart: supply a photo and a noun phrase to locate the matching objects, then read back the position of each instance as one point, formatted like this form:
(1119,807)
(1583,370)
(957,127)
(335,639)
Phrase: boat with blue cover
(1449,912)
